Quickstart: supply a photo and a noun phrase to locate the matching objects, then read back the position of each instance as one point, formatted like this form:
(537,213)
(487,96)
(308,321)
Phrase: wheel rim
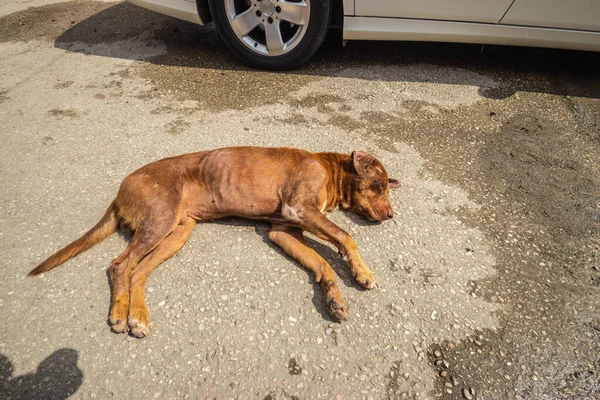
(268,27)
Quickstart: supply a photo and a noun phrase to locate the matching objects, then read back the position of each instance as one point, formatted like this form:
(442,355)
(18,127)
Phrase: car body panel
(181,9)
(348,7)
(573,22)
(490,11)
(566,14)
(365,28)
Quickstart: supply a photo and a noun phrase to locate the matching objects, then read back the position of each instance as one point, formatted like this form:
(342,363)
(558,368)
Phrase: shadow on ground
(57,377)
(101,29)
(189,45)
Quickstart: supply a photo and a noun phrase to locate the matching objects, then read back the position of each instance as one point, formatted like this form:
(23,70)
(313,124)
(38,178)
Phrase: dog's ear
(394,183)
(362,161)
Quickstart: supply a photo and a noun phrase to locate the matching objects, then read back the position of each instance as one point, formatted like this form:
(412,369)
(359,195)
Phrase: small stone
(437,354)
(292,319)
(446,364)
(319,340)
(443,373)
(454,381)
(467,395)
(448,385)
(328,331)
(224,297)
(448,390)
(162,303)
(406,375)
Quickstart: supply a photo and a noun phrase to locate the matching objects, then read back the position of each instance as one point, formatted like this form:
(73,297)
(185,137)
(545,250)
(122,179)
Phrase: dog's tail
(107,225)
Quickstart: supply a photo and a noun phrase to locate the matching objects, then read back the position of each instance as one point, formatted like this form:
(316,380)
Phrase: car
(283,34)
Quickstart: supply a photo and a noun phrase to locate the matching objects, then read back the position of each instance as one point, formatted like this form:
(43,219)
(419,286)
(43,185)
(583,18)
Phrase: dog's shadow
(330,255)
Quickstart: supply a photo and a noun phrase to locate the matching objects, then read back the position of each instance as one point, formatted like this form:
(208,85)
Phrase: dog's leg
(144,240)
(138,313)
(293,243)
(316,223)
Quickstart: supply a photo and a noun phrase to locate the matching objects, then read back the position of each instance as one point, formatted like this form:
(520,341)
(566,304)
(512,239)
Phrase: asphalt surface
(489,274)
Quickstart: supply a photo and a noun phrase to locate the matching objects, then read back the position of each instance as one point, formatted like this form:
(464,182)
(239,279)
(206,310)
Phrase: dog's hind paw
(119,326)
(138,329)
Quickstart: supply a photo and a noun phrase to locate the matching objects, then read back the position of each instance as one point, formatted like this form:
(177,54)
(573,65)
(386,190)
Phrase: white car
(282,34)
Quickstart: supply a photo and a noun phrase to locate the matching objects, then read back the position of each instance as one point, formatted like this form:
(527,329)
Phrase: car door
(566,14)
(489,11)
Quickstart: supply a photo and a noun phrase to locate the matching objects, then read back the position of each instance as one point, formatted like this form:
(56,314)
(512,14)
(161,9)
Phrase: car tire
(272,34)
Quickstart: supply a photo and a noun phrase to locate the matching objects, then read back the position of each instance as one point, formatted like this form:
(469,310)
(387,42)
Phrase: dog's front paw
(365,278)
(334,302)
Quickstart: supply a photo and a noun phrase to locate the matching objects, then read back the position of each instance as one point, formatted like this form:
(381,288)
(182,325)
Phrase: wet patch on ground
(57,112)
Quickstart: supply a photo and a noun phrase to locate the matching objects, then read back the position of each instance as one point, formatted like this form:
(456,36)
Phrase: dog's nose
(390,213)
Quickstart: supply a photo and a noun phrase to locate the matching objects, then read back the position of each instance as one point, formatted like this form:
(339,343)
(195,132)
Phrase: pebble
(443,373)
(319,340)
(448,390)
(162,303)
(454,381)
(292,319)
(328,331)
(467,395)
(448,385)
(437,354)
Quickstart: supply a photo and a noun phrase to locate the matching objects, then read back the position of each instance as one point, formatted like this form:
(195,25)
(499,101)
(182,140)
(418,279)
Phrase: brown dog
(293,189)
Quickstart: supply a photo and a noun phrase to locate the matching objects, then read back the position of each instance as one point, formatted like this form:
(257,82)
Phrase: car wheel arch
(337,14)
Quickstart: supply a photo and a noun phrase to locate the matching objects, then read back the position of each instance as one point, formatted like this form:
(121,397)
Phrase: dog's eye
(377,187)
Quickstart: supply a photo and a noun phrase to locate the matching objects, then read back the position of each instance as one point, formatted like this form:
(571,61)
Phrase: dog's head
(370,188)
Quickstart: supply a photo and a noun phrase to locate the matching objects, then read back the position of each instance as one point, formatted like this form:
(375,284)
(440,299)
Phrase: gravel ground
(488,276)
